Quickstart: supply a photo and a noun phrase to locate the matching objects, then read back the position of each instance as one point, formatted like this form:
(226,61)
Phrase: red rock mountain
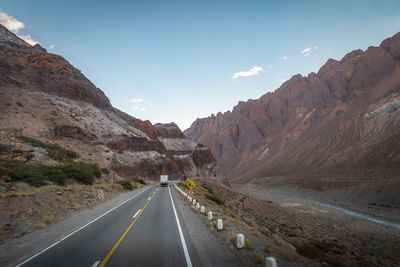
(44,97)
(343,121)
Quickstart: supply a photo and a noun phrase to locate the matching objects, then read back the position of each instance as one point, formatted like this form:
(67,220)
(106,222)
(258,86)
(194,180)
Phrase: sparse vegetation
(55,152)
(8,104)
(180,184)
(207,188)
(215,199)
(125,184)
(39,174)
(140,181)
(105,171)
(19,104)
(308,251)
(258,258)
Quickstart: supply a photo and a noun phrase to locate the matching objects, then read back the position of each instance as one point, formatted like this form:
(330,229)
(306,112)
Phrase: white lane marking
(185,250)
(134,216)
(96,264)
(65,237)
(148,198)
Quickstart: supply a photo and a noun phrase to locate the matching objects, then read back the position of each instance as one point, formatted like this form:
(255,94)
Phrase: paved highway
(147,230)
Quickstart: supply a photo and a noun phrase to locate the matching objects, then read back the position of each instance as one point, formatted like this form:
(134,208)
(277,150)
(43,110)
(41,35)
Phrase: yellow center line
(103,263)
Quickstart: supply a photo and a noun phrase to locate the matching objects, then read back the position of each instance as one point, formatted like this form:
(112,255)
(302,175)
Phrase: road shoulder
(17,250)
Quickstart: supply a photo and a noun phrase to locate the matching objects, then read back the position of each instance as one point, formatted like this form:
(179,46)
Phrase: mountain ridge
(327,122)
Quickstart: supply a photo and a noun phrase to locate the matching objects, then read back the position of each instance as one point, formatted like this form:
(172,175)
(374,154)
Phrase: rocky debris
(135,143)
(73,132)
(326,123)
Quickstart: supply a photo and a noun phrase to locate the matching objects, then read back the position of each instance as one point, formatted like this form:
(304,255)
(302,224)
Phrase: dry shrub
(248,245)
(258,258)
(268,248)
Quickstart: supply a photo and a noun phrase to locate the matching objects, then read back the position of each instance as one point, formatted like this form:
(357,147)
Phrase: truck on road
(163,180)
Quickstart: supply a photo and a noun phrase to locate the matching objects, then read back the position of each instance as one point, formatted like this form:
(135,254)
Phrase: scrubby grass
(105,171)
(182,185)
(125,184)
(258,258)
(215,199)
(19,104)
(140,181)
(40,175)
(207,188)
(308,251)
(55,152)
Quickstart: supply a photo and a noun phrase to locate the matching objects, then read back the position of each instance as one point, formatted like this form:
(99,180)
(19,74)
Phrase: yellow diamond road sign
(191,184)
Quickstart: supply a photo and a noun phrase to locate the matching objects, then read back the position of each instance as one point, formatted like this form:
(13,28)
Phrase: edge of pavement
(17,250)
(208,249)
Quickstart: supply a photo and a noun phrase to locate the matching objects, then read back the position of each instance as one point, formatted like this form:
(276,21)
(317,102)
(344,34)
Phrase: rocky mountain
(333,129)
(45,98)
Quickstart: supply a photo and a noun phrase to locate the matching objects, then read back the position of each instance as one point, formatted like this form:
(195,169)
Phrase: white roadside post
(202,209)
(197,205)
(220,225)
(190,199)
(270,262)
(194,201)
(209,216)
(240,241)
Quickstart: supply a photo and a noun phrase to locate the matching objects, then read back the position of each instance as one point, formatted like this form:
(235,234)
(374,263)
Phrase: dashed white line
(134,216)
(185,250)
(96,264)
(65,237)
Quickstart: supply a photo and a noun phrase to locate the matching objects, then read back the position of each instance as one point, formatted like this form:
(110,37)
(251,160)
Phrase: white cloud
(14,25)
(136,100)
(143,109)
(51,46)
(307,52)
(253,71)
(27,38)
(285,58)
(11,23)
(135,108)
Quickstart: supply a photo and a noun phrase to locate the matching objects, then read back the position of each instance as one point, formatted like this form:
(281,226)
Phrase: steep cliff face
(32,68)
(191,158)
(343,119)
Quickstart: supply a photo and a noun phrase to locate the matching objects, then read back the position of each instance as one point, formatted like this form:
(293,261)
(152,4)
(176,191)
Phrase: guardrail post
(202,209)
(270,262)
(194,201)
(209,215)
(240,241)
(197,205)
(220,225)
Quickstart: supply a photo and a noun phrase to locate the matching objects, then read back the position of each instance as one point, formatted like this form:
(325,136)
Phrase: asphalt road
(145,231)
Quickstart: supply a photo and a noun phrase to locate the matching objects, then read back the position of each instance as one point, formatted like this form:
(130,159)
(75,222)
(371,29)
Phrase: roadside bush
(180,184)
(82,172)
(125,184)
(215,199)
(39,175)
(105,171)
(140,181)
(207,188)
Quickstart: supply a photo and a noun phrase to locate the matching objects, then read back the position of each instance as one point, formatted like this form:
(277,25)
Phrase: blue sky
(175,60)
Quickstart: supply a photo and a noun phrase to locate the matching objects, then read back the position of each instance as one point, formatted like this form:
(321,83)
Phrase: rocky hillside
(43,97)
(331,129)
